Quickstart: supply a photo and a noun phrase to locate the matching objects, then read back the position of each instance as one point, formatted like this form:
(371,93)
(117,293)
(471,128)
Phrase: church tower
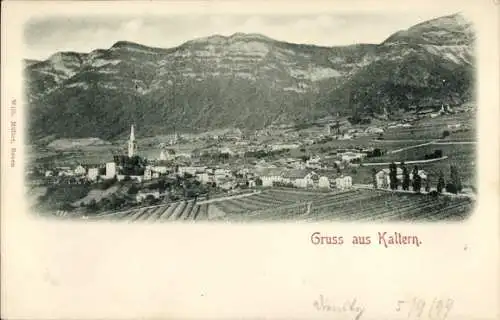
(131,143)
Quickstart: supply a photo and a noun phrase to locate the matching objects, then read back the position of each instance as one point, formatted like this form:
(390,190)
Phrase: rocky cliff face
(245,80)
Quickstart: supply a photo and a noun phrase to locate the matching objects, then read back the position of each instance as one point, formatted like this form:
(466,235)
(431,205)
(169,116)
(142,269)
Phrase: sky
(44,37)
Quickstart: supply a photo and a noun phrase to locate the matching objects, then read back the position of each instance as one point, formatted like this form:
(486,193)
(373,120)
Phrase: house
(350,156)
(148,174)
(345,136)
(66,173)
(271,175)
(301,178)
(226,184)
(141,196)
(251,183)
(190,170)
(374,130)
(92,174)
(159,169)
(324,182)
(277,147)
(203,177)
(226,150)
(121,177)
(49,173)
(80,171)
(110,170)
(313,163)
(343,182)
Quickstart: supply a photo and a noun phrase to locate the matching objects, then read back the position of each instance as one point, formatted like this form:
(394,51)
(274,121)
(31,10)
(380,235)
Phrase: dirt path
(229,197)
(407,162)
(411,147)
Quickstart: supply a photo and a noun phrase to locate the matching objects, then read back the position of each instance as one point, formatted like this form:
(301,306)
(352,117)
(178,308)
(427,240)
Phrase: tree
(374,178)
(416,183)
(133,190)
(258,182)
(441,182)
(446,133)
(427,185)
(393,176)
(406,177)
(150,199)
(455,185)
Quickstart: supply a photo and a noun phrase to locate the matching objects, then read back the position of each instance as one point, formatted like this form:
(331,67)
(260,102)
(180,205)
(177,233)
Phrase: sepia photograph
(250,160)
(240,118)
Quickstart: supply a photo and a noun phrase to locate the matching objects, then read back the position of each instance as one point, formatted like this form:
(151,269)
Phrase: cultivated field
(463,156)
(300,205)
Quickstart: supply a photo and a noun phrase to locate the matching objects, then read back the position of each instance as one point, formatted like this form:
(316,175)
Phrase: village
(277,157)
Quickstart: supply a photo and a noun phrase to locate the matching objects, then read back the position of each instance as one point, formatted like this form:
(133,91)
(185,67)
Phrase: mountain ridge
(246,80)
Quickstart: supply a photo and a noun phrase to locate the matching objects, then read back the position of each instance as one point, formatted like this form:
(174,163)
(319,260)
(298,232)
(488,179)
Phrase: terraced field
(306,206)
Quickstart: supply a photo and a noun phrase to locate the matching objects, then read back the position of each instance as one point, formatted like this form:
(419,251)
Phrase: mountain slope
(245,80)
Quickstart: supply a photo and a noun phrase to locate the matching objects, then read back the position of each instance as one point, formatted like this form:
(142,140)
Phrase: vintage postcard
(277,160)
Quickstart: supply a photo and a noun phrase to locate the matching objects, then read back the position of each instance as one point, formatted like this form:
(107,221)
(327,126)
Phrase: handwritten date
(437,309)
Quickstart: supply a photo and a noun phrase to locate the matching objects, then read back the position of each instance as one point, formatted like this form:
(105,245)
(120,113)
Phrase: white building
(203,177)
(49,173)
(141,196)
(343,182)
(163,156)
(166,155)
(349,156)
(324,182)
(148,174)
(276,147)
(271,175)
(80,171)
(191,170)
(92,174)
(301,178)
(251,183)
(313,163)
(328,129)
(159,169)
(374,130)
(226,150)
(110,170)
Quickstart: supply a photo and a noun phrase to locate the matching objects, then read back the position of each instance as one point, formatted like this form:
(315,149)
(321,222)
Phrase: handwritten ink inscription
(348,308)
(437,309)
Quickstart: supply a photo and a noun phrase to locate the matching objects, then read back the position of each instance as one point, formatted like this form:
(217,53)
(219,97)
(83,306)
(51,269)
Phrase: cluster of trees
(454,185)
(215,156)
(436,154)
(264,154)
(109,203)
(283,184)
(414,181)
(132,166)
(375,153)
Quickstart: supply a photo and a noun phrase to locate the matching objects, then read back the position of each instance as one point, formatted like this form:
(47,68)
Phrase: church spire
(131,143)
